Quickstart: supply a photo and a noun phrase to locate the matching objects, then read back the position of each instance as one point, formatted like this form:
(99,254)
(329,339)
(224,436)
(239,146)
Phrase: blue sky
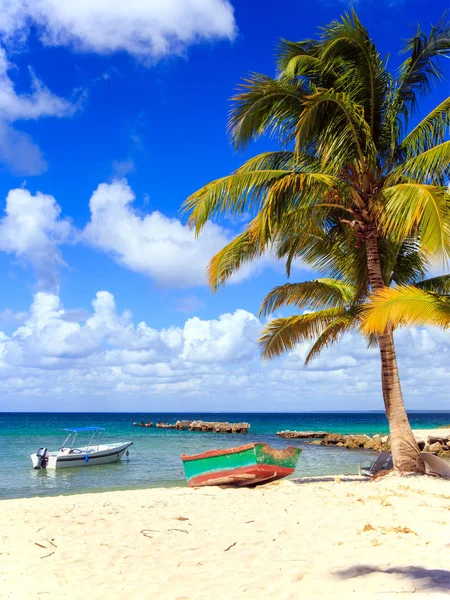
(110,116)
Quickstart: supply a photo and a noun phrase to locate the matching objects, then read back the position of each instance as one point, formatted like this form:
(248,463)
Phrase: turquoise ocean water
(155,456)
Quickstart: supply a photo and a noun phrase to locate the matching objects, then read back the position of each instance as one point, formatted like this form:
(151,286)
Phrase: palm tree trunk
(405,451)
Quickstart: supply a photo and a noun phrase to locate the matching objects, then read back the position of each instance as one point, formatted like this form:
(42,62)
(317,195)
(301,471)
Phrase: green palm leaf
(265,105)
(365,75)
(332,333)
(318,294)
(415,207)
(421,69)
(282,335)
(244,248)
(431,131)
(337,127)
(431,166)
(438,285)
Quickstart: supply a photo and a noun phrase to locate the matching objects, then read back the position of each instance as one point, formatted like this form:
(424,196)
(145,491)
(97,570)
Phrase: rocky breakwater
(377,443)
(436,441)
(296,435)
(212,426)
(433,441)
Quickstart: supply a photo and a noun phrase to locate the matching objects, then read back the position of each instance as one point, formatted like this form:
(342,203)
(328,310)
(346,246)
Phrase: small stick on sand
(229,547)
(144,532)
(182,530)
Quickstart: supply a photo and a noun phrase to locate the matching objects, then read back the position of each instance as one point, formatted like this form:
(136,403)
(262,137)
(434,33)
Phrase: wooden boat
(244,465)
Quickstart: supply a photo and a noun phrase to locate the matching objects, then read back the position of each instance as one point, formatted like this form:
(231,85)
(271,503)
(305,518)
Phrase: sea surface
(154,458)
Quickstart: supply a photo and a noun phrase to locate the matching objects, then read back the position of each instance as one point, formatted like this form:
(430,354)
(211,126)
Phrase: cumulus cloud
(18,152)
(32,230)
(155,245)
(143,28)
(213,364)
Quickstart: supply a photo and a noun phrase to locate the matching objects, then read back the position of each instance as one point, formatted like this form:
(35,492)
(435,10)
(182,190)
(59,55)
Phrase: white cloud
(105,359)
(155,245)
(32,229)
(18,152)
(143,28)
(231,338)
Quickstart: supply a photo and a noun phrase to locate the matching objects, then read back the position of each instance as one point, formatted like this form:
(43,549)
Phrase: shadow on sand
(327,478)
(436,580)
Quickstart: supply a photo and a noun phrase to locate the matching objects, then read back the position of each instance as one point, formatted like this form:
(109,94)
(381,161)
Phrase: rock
(301,434)
(444,454)
(435,448)
(333,438)
(215,426)
(314,443)
(374,444)
(377,436)
(340,444)
(384,439)
(353,442)
(421,445)
(440,440)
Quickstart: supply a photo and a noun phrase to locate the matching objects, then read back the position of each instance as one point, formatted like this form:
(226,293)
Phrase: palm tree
(425,303)
(345,162)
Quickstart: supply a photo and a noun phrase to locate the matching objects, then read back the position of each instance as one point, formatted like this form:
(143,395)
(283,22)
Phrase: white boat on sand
(70,455)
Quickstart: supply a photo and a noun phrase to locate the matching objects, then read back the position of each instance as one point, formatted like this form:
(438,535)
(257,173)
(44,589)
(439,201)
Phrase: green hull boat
(241,466)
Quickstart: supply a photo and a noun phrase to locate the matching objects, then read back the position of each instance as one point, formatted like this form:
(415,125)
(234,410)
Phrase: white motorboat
(70,455)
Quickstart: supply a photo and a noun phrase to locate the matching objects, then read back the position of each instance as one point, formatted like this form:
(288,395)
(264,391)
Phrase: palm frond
(410,208)
(332,333)
(438,285)
(265,105)
(431,131)
(318,294)
(431,166)
(336,126)
(403,263)
(421,69)
(406,305)
(287,160)
(364,75)
(287,51)
(244,248)
(282,335)
(235,194)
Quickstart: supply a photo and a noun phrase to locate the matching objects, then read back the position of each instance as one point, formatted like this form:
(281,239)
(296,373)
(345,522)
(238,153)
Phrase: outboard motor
(42,458)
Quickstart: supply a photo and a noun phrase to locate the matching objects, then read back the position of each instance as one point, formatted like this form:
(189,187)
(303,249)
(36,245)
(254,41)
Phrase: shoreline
(332,537)
(369,456)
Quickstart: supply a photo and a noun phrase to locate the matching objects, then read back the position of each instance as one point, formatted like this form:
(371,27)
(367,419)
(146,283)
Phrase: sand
(307,538)
(423,434)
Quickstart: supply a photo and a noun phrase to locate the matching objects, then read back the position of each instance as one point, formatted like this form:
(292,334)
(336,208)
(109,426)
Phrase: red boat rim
(220,451)
(217,452)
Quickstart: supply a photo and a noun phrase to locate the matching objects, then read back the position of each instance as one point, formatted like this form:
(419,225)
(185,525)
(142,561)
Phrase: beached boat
(70,455)
(244,465)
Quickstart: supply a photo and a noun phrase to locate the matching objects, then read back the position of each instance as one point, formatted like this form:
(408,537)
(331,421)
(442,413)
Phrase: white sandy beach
(321,538)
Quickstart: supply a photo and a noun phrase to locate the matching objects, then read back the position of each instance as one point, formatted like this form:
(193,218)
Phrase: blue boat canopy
(80,429)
